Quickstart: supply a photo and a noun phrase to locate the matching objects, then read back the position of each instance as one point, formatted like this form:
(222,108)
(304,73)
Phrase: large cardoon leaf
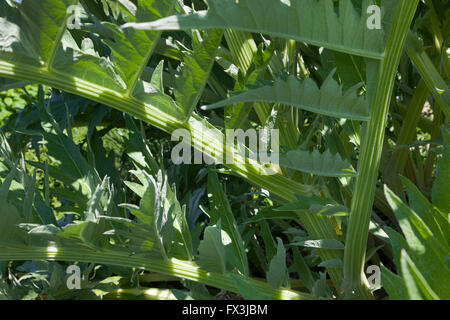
(327,100)
(72,167)
(430,215)
(311,21)
(10,216)
(131,49)
(197,67)
(416,284)
(393,284)
(422,246)
(212,251)
(42,24)
(277,272)
(41,42)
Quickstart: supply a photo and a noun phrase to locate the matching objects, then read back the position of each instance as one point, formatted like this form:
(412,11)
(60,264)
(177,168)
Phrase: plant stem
(399,157)
(173,267)
(371,149)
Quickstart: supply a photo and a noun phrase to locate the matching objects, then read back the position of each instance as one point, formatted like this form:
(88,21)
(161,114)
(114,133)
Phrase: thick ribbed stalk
(173,267)
(371,150)
(242,47)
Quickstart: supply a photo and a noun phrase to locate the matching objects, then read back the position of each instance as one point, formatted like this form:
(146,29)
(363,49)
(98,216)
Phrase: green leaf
(433,80)
(321,288)
(415,283)
(328,100)
(157,77)
(268,214)
(212,251)
(441,186)
(10,235)
(303,270)
(161,223)
(300,20)
(277,272)
(334,263)
(427,212)
(313,204)
(303,203)
(131,49)
(44,23)
(220,210)
(43,210)
(182,226)
(269,243)
(426,252)
(393,284)
(196,69)
(418,236)
(322,164)
(397,242)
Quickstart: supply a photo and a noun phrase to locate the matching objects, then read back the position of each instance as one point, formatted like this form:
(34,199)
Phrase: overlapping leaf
(420,255)
(43,41)
(212,251)
(311,21)
(327,100)
(322,164)
(196,70)
(221,210)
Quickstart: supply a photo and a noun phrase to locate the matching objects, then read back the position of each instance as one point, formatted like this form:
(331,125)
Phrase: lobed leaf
(277,272)
(327,100)
(322,164)
(311,21)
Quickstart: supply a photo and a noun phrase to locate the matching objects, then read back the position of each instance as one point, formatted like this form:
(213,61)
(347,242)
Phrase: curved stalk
(371,149)
(173,267)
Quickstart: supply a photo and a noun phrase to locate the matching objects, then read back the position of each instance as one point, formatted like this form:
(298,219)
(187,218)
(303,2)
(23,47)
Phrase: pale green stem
(399,157)
(173,267)
(371,150)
